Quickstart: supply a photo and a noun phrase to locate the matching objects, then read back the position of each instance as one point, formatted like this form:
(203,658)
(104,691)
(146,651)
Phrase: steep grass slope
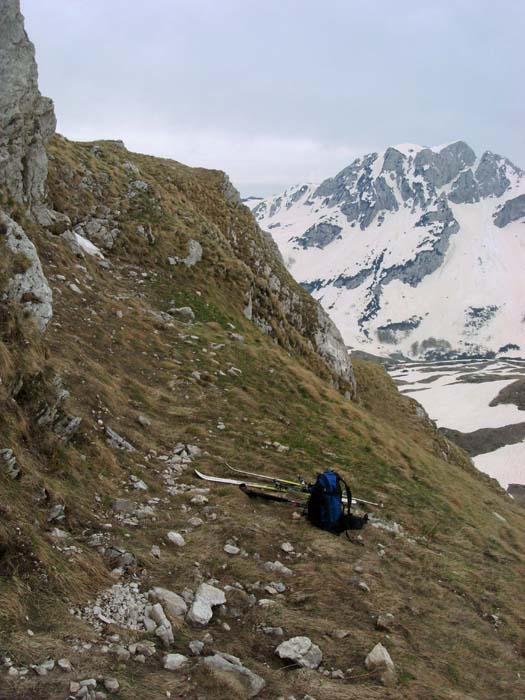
(450,569)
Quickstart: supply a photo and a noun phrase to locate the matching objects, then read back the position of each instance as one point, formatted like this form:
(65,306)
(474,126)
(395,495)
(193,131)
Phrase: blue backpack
(325,508)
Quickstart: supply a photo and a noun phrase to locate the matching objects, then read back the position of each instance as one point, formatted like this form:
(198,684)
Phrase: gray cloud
(280,91)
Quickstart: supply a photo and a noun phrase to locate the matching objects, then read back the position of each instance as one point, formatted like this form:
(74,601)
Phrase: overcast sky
(283,91)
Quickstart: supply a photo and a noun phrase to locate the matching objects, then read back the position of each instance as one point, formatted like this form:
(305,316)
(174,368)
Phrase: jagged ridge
(438,221)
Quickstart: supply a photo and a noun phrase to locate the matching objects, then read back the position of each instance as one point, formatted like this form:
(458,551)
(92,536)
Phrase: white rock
(287,547)
(176,538)
(196,647)
(140,485)
(199,500)
(206,597)
(380,660)
(173,604)
(65,665)
(277,567)
(111,685)
(301,650)
(231,549)
(165,633)
(174,662)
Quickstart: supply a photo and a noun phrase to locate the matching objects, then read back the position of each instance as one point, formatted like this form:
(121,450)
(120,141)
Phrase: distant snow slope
(414,250)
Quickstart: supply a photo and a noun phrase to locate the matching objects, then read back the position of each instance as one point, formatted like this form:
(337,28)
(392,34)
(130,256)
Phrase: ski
(236,482)
(301,486)
(250,484)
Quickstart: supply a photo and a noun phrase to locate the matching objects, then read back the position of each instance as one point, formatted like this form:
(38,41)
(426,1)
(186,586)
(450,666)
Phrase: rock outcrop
(27,120)
(27,284)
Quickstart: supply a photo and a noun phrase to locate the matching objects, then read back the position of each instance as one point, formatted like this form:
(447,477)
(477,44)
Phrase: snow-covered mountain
(415,250)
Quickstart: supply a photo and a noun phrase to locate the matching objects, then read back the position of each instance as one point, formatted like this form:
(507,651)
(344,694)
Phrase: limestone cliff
(27,120)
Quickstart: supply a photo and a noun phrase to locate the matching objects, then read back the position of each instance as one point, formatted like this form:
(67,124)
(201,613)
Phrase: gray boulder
(28,285)
(302,651)
(117,441)
(183,313)
(226,663)
(194,255)
(174,662)
(379,661)
(206,598)
(174,605)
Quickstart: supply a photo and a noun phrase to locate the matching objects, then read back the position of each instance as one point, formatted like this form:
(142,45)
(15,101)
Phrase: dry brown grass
(457,565)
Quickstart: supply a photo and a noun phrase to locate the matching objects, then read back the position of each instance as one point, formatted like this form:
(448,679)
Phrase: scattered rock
(302,651)
(195,522)
(252,683)
(117,441)
(272,631)
(174,662)
(199,500)
(231,549)
(174,605)
(379,660)
(385,622)
(184,314)
(340,634)
(144,422)
(44,668)
(206,597)
(56,513)
(111,685)
(120,558)
(65,665)
(287,547)
(176,538)
(196,647)
(122,604)
(277,567)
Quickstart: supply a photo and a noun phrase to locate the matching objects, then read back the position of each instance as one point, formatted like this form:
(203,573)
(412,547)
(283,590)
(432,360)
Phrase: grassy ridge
(454,566)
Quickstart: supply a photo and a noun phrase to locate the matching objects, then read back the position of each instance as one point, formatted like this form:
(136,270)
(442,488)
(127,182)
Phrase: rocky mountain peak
(27,119)
(377,238)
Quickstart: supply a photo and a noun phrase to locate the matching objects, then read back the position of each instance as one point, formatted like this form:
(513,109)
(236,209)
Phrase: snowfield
(453,396)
